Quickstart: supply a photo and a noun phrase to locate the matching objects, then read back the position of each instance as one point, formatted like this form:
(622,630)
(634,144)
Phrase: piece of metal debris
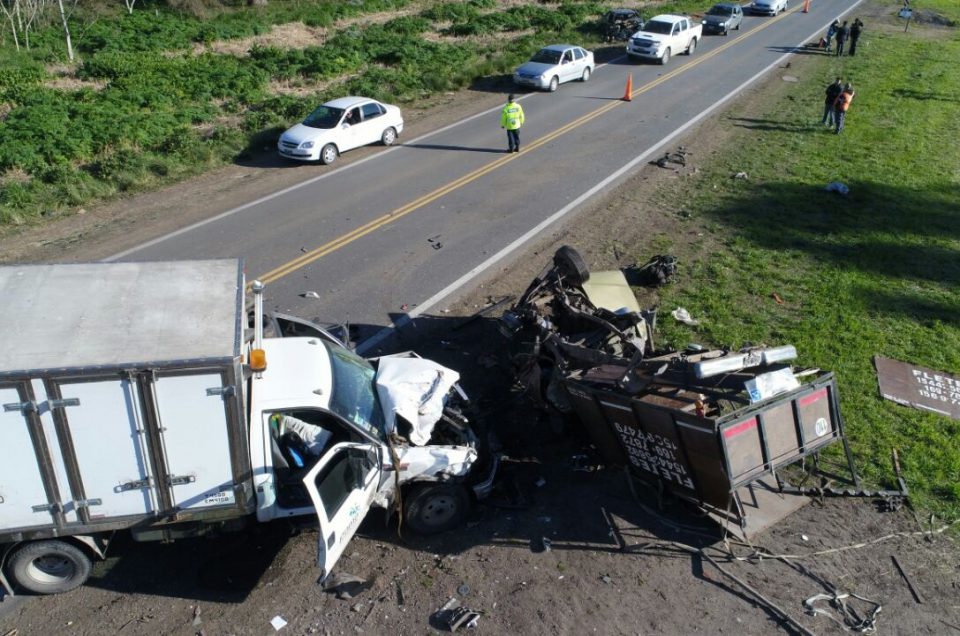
(309,294)
(903,573)
(682,315)
(277,623)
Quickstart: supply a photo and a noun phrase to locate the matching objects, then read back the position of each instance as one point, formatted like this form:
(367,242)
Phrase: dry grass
(15,175)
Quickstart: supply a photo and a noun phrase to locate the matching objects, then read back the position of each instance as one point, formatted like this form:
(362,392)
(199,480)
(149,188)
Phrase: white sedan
(341,125)
(554,65)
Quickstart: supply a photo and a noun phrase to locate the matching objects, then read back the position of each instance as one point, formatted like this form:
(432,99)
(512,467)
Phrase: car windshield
(720,10)
(546,56)
(655,26)
(324,117)
(354,396)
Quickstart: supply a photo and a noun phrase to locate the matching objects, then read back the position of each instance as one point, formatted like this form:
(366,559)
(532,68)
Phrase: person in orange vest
(511,119)
(841,105)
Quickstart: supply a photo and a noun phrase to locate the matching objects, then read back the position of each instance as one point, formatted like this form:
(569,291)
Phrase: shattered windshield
(354,395)
(721,9)
(546,56)
(324,117)
(655,26)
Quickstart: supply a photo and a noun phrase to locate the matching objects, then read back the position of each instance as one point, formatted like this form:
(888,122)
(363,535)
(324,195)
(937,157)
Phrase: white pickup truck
(665,35)
(135,396)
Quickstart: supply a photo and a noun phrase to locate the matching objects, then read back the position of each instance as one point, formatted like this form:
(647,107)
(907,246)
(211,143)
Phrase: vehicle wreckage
(719,428)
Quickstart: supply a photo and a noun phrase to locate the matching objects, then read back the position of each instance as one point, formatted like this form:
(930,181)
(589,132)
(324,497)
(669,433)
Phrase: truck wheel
(692,47)
(389,136)
(328,154)
(554,83)
(435,508)
(665,58)
(49,567)
(571,265)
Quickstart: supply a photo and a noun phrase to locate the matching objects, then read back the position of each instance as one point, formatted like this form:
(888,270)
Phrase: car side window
(566,58)
(371,110)
(578,53)
(352,117)
(676,28)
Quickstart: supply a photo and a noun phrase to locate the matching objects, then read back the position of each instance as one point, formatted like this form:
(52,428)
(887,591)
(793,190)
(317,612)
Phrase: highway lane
(359,237)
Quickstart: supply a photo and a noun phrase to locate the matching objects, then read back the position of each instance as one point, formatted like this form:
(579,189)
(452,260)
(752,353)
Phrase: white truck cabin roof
(89,315)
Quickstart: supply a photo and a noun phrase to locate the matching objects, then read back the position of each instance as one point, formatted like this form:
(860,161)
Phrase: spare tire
(570,265)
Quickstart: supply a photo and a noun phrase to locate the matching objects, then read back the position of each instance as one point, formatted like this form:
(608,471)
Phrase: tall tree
(66,30)
(11,11)
(129,4)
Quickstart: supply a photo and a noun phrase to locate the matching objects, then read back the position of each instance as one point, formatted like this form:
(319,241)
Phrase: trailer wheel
(571,265)
(435,508)
(49,567)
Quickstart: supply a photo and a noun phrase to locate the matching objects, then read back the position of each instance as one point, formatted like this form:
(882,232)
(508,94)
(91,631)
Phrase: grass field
(876,272)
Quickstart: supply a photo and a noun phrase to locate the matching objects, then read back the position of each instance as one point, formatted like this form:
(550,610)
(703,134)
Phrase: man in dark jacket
(855,35)
(833,92)
(842,34)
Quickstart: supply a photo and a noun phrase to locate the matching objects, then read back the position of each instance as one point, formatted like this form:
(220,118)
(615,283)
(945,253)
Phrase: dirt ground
(612,563)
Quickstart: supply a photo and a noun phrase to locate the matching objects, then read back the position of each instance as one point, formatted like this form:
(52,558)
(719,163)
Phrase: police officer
(511,119)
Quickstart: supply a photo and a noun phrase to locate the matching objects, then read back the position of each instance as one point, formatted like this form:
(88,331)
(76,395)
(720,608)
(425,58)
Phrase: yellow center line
(341,241)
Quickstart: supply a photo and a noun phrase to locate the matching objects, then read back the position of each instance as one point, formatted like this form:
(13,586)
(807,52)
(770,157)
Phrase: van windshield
(354,395)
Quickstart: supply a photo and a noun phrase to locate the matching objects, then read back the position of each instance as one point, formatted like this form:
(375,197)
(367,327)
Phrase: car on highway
(665,35)
(341,125)
(553,65)
(768,7)
(722,18)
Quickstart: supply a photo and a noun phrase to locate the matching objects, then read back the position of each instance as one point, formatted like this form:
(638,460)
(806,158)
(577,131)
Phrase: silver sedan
(554,65)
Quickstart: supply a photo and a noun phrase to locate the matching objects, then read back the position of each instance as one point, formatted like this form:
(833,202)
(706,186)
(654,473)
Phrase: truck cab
(663,36)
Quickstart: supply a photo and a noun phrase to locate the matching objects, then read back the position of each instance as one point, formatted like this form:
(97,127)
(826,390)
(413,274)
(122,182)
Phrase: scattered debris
(463,589)
(678,157)
(682,315)
(435,242)
(546,544)
(454,617)
(850,619)
(606,579)
(919,387)
(277,623)
(839,188)
(197,621)
(804,537)
(789,78)
(345,586)
(540,483)
(310,294)
(741,175)
(903,573)
(777,298)
(656,272)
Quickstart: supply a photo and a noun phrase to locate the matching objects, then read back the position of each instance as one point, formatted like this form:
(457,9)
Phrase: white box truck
(134,396)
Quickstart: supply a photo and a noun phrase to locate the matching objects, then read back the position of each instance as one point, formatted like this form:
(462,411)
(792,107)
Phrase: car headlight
(703,21)
(306,144)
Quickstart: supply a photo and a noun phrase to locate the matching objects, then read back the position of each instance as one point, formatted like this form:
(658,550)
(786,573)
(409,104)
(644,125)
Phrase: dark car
(620,24)
(722,18)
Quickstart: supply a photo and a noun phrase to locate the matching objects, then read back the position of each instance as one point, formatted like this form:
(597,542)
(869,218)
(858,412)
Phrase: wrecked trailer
(717,428)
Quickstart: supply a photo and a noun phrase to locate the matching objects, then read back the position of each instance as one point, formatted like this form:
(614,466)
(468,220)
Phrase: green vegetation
(148,109)
(877,272)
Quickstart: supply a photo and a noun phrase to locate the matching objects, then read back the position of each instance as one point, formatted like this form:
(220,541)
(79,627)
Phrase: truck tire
(49,567)
(570,264)
(693,46)
(665,58)
(435,508)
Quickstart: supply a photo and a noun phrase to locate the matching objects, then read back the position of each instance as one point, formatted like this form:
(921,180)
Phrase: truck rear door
(23,497)
(342,485)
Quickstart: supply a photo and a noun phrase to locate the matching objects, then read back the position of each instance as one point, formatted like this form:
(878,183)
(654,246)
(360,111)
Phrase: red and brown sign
(919,387)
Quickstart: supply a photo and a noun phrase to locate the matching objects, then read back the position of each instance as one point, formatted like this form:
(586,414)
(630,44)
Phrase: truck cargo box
(121,396)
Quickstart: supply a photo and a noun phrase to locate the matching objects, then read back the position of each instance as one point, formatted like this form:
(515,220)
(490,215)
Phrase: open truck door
(342,485)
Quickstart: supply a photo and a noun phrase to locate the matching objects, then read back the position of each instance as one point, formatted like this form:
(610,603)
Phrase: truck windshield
(655,26)
(354,392)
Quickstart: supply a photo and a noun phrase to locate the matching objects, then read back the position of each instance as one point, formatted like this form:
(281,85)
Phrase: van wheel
(665,58)
(389,136)
(329,154)
(570,265)
(49,567)
(554,83)
(435,508)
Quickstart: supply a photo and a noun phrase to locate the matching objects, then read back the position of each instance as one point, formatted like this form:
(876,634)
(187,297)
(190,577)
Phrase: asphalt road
(394,235)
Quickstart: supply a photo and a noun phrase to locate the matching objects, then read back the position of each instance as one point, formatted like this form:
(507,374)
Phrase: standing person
(855,31)
(842,34)
(833,92)
(841,105)
(832,31)
(511,119)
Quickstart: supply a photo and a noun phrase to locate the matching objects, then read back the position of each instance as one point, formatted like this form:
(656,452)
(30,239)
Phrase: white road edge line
(384,333)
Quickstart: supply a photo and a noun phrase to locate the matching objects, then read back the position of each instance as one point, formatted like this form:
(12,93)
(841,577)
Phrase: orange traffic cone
(806,6)
(627,94)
